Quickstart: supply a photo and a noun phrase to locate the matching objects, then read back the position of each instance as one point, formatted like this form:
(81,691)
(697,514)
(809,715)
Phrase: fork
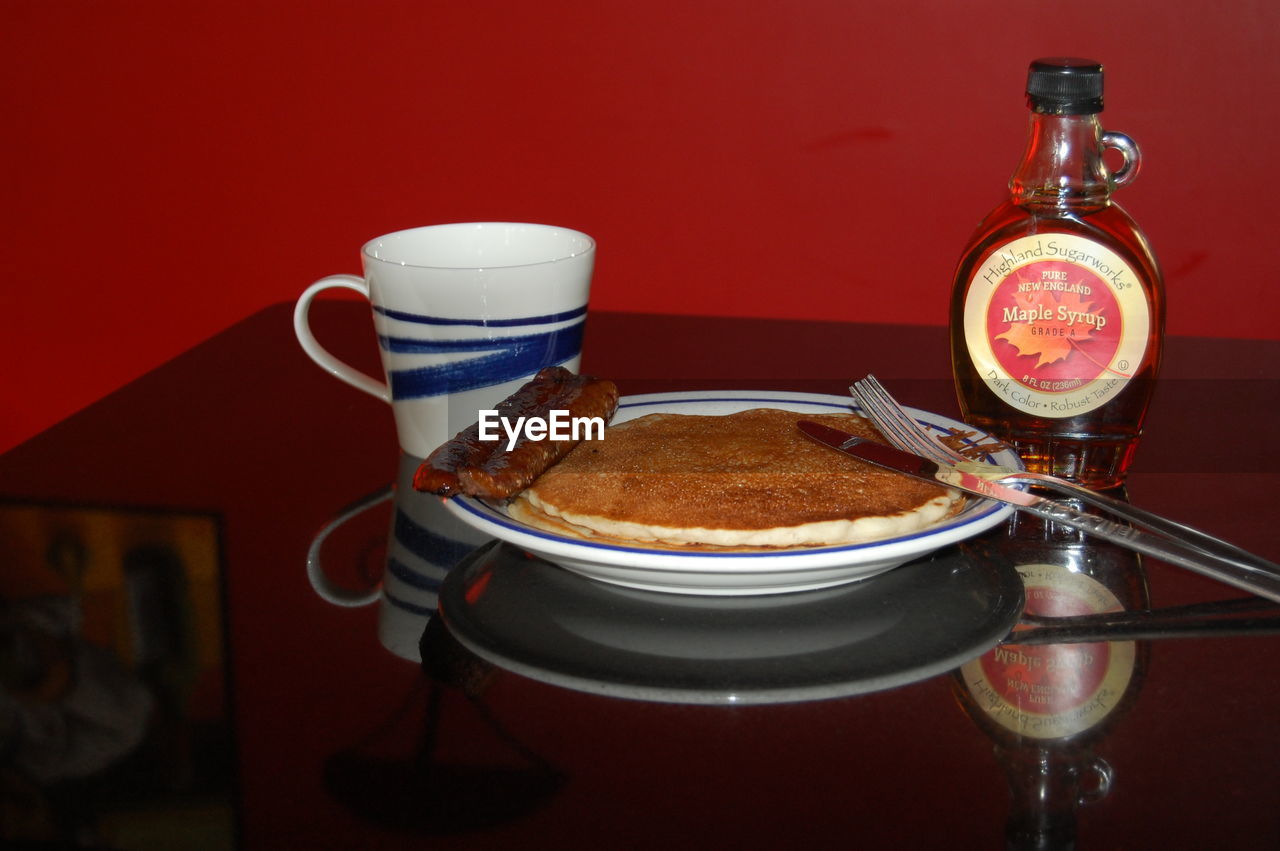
(905,433)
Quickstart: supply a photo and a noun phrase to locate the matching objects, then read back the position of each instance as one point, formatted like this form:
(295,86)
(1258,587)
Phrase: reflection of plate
(926,618)
(738,572)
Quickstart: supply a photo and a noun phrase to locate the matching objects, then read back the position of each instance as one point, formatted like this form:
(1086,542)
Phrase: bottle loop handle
(1128,148)
(1102,778)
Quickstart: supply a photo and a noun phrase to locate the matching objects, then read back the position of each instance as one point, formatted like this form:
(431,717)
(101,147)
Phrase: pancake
(744,480)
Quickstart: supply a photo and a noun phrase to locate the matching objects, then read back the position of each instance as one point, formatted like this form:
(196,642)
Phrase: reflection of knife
(1252,574)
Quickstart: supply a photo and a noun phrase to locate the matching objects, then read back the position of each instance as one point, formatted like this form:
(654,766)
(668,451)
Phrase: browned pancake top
(750,470)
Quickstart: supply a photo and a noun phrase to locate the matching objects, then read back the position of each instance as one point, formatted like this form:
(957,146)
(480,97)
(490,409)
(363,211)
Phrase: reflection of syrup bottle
(1057,309)
(1046,705)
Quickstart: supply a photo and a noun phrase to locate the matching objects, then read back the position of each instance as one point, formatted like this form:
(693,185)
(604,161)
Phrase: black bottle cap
(1065,86)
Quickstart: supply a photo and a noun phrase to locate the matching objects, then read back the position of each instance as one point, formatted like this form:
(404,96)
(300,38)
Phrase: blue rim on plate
(749,572)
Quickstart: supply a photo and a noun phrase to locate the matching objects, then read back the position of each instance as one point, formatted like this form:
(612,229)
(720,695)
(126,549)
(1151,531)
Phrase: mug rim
(368,249)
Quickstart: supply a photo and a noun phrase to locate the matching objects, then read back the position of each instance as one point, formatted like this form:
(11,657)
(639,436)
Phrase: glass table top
(174,665)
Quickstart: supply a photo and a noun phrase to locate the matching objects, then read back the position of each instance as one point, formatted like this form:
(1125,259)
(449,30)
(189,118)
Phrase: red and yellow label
(1053,691)
(1057,324)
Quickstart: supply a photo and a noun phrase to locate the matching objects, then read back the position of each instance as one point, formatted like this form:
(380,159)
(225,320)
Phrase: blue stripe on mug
(423,319)
(411,608)
(438,549)
(412,578)
(524,356)
(417,346)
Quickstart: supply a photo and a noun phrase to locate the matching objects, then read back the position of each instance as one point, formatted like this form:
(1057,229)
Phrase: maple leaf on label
(1042,329)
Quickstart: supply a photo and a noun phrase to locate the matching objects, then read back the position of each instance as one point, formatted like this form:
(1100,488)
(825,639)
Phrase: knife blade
(1255,575)
(914,465)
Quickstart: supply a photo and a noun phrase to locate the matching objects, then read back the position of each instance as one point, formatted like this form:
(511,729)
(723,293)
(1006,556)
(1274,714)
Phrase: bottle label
(1057,324)
(1052,691)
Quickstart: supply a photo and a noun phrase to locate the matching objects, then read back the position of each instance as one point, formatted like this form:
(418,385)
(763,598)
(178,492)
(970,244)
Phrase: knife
(1252,574)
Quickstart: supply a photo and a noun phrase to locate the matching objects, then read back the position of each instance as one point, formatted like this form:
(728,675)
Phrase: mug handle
(319,353)
(315,568)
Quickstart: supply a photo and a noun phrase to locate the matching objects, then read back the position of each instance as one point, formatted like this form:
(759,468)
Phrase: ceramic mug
(464,314)
(424,541)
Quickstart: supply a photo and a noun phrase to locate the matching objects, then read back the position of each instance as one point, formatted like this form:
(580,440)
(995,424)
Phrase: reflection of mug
(424,541)
(464,314)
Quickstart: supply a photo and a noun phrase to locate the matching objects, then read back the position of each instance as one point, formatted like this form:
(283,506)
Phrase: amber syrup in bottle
(1057,308)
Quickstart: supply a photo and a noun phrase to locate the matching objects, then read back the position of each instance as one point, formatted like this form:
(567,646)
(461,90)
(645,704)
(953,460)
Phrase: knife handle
(1255,575)
(1133,515)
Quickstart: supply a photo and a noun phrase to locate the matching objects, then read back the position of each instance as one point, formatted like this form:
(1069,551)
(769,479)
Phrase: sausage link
(438,474)
(504,474)
(552,387)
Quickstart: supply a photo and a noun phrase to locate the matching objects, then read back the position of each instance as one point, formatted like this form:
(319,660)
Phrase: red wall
(173,167)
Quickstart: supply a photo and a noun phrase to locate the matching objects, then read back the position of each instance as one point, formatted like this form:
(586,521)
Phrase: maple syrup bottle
(1057,309)
(1047,705)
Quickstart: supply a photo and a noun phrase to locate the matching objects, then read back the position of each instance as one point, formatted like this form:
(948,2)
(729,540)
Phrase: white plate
(925,619)
(739,572)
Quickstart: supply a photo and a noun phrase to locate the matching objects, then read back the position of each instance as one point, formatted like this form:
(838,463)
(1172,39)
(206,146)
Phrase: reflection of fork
(905,433)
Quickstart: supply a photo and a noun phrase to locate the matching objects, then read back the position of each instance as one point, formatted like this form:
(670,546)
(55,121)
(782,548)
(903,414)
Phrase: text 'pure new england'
(558,425)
